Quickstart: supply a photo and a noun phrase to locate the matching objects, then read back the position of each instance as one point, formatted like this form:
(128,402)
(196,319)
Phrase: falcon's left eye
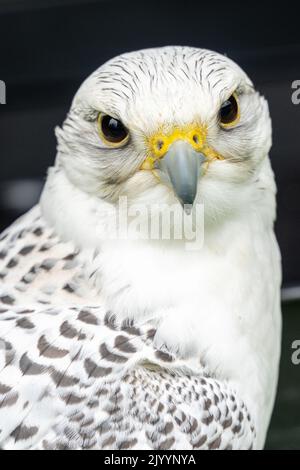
(112,131)
(229,113)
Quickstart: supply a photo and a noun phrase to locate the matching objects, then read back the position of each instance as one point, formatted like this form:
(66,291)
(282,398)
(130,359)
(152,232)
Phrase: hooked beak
(180,169)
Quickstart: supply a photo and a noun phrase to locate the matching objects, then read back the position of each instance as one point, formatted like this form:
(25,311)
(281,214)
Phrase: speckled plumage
(114,345)
(95,383)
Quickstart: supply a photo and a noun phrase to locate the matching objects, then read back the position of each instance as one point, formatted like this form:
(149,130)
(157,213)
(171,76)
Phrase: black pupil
(113,129)
(229,111)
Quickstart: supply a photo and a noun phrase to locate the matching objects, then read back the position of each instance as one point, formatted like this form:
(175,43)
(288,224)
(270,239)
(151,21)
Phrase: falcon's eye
(229,113)
(112,131)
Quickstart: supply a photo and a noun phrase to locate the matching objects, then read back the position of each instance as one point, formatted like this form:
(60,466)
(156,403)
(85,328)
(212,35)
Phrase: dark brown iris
(112,129)
(229,111)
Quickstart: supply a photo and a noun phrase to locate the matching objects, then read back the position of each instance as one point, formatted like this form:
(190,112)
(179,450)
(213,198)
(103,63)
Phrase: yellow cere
(160,142)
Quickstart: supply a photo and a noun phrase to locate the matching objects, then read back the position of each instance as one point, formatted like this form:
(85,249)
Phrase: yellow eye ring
(112,131)
(229,114)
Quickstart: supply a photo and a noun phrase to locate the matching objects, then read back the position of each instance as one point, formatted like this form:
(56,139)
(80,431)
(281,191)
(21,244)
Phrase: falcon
(136,342)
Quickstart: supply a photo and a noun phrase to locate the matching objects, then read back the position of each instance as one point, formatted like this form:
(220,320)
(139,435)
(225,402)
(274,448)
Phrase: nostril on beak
(159,144)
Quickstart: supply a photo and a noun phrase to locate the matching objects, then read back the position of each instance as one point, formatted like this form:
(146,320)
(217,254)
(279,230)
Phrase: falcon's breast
(72,377)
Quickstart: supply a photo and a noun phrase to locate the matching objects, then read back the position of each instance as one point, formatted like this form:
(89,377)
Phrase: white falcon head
(166,125)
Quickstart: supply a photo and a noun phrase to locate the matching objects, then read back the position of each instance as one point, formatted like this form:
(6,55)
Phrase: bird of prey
(115,342)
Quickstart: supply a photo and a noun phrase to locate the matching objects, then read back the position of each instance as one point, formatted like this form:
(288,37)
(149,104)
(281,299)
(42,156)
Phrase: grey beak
(180,169)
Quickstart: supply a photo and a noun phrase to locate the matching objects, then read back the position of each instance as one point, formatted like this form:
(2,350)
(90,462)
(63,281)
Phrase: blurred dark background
(48,48)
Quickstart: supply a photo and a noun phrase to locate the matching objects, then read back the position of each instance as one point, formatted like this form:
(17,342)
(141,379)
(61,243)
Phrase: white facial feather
(172,86)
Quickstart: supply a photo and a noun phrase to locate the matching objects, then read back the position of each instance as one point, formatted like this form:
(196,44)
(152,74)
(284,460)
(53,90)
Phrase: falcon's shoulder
(35,265)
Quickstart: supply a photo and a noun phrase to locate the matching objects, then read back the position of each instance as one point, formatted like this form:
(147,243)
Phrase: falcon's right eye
(229,113)
(112,131)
